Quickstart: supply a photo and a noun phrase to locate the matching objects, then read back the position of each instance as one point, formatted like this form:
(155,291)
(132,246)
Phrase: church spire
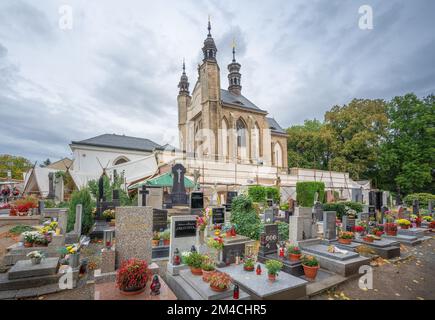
(209,48)
(183,85)
(234,77)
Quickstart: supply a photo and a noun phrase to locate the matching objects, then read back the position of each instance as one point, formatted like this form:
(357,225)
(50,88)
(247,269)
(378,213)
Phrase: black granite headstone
(160,220)
(178,194)
(144,193)
(415,207)
(372,212)
(230,196)
(218,215)
(185,229)
(197,200)
(269,239)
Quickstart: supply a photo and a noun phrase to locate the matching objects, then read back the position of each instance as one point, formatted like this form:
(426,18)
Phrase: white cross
(179,175)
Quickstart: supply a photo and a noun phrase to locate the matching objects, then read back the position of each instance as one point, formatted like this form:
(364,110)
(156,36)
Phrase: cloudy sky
(117,69)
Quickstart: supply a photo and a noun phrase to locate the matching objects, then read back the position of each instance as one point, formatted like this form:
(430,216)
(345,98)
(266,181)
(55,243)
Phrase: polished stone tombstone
(133,233)
(268,216)
(183,237)
(329,225)
(154,198)
(218,215)
(372,212)
(197,202)
(415,207)
(430,206)
(318,211)
(160,220)
(347,223)
(301,225)
(382,217)
(269,240)
(230,196)
(178,194)
(41,206)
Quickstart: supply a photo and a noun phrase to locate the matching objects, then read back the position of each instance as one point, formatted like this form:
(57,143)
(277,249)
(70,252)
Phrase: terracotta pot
(344,241)
(271,277)
(228,234)
(206,275)
(294,257)
(404,227)
(392,233)
(132,291)
(196,271)
(249,269)
(379,233)
(166,242)
(217,289)
(311,272)
(155,243)
(368,239)
(28,244)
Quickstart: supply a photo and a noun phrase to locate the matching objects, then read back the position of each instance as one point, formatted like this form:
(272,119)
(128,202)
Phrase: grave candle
(236,292)
(258,271)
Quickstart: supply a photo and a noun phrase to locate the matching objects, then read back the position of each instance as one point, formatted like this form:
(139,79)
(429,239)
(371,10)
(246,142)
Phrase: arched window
(225,139)
(255,142)
(241,139)
(277,155)
(120,160)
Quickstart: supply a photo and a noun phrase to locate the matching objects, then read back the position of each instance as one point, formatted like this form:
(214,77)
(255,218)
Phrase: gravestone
(318,211)
(51,194)
(115,198)
(347,223)
(62,220)
(160,219)
(197,200)
(183,237)
(329,225)
(430,206)
(154,197)
(142,200)
(218,215)
(133,233)
(383,210)
(78,221)
(230,196)
(269,202)
(178,193)
(41,206)
(269,240)
(415,207)
(301,225)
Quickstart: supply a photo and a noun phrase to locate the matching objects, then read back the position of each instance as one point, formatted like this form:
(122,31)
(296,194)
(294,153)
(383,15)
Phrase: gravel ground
(412,278)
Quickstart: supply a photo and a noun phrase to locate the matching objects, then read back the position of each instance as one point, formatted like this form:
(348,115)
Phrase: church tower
(184,100)
(209,78)
(234,76)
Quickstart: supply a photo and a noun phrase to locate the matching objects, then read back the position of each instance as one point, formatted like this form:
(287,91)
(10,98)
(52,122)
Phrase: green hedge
(342,207)
(261,193)
(244,216)
(305,192)
(81,197)
(423,198)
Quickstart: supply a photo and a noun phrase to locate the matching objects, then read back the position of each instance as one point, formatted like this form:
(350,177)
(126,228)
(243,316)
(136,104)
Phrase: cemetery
(183,245)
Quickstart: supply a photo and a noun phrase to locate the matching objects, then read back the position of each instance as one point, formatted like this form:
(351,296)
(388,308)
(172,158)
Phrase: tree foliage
(17,165)
(245,217)
(305,192)
(108,189)
(84,198)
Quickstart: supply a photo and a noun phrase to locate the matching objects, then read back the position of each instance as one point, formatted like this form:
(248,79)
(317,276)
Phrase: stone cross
(144,193)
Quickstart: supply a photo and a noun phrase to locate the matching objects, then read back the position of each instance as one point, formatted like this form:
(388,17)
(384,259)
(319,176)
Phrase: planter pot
(36,261)
(206,275)
(344,241)
(294,257)
(155,243)
(166,242)
(196,271)
(271,277)
(28,244)
(217,289)
(391,233)
(228,234)
(74,260)
(249,269)
(404,227)
(379,234)
(132,291)
(310,272)
(368,239)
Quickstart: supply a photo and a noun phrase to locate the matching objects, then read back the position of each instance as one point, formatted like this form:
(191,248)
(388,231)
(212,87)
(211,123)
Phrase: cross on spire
(209,26)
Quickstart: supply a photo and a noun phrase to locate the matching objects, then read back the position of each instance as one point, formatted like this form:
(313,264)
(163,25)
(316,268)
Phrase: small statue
(155,286)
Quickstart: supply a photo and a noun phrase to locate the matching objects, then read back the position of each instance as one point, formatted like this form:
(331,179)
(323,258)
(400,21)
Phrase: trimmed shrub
(257,193)
(244,217)
(305,192)
(84,198)
(282,230)
(273,193)
(342,207)
(423,198)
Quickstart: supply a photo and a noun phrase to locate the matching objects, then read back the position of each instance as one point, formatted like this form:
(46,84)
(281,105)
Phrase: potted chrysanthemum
(345,237)
(310,265)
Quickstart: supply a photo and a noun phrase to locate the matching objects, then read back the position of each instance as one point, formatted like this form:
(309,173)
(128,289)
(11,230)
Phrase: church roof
(274,126)
(238,101)
(119,142)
